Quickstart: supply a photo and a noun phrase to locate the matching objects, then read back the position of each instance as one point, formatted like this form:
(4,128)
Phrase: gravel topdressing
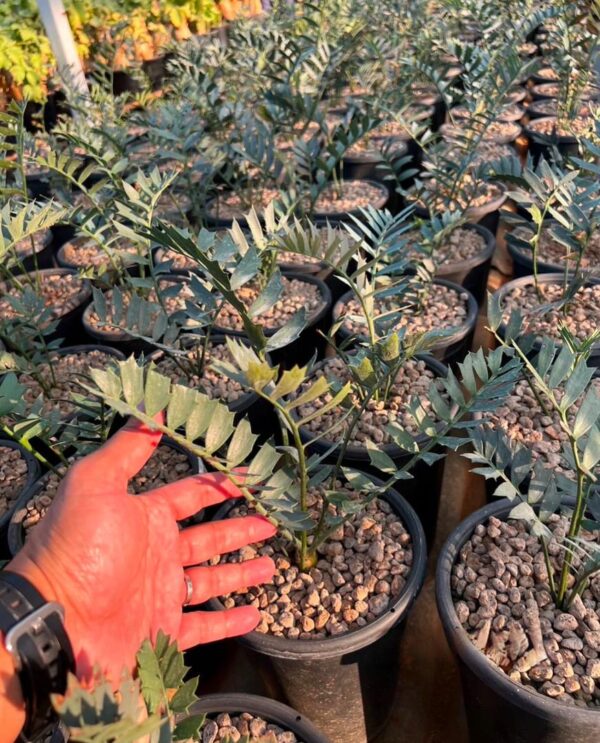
(502,600)
(413,379)
(579,126)
(166,465)
(581,320)
(88,253)
(61,294)
(551,251)
(212,384)
(231,205)
(296,294)
(461,245)
(444,308)
(362,567)
(171,304)
(68,369)
(13,476)
(233,727)
(523,420)
(469,194)
(354,195)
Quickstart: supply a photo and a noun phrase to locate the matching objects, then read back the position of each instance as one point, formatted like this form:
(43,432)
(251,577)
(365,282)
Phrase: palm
(116,561)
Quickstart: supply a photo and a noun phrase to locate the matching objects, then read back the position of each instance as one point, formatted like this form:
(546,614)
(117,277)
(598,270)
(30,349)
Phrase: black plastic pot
(33,472)
(319,270)
(472,273)
(69,324)
(449,349)
(447,130)
(40,259)
(423,491)
(258,411)
(117,338)
(523,263)
(337,217)
(541,145)
(269,710)
(487,215)
(345,684)
(131,267)
(310,340)
(16,530)
(498,709)
(365,167)
(546,278)
(431,97)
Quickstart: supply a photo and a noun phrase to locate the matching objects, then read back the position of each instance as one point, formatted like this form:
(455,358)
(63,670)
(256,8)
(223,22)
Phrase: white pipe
(58,30)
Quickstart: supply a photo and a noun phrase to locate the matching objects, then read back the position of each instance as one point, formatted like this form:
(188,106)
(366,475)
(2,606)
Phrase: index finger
(188,496)
(122,456)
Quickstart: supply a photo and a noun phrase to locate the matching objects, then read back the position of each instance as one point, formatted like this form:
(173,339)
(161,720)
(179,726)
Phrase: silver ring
(189,590)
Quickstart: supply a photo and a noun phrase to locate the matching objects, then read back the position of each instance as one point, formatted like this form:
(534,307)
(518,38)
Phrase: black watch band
(34,634)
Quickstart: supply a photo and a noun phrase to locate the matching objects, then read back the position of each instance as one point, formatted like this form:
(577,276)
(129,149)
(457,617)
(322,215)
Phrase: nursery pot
(424,489)
(303,348)
(345,684)
(130,267)
(541,145)
(69,323)
(498,709)
(268,710)
(337,217)
(16,530)
(119,339)
(546,278)
(523,263)
(42,258)
(449,349)
(472,273)
(447,130)
(364,166)
(487,215)
(33,472)
(258,411)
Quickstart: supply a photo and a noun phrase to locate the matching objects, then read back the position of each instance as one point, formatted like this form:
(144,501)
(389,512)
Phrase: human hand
(116,561)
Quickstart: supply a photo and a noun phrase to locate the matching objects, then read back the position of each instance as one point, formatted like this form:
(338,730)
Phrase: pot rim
(317,314)
(392,450)
(503,139)
(517,694)
(76,241)
(15,536)
(487,252)
(460,331)
(471,212)
(82,296)
(113,335)
(318,216)
(532,133)
(268,709)
(242,403)
(544,278)
(331,647)
(33,473)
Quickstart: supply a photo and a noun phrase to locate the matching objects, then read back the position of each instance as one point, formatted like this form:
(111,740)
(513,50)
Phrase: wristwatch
(35,636)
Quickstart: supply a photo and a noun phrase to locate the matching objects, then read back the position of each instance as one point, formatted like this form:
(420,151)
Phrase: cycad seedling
(562,382)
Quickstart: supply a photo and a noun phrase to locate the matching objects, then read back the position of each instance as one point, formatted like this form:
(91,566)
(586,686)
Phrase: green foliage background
(146,25)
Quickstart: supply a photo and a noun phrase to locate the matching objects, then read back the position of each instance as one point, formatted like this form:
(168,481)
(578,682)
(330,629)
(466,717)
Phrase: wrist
(24,566)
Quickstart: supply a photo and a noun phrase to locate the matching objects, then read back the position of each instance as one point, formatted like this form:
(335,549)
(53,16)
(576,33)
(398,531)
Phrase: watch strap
(34,634)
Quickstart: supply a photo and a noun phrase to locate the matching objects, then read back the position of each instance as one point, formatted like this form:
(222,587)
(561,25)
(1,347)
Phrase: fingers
(123,455)
(219,580)
(200,543)
(208,626)
(186,497)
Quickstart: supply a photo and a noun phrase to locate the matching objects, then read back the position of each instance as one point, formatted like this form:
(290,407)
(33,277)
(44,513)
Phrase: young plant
(557,200)
(562,382)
